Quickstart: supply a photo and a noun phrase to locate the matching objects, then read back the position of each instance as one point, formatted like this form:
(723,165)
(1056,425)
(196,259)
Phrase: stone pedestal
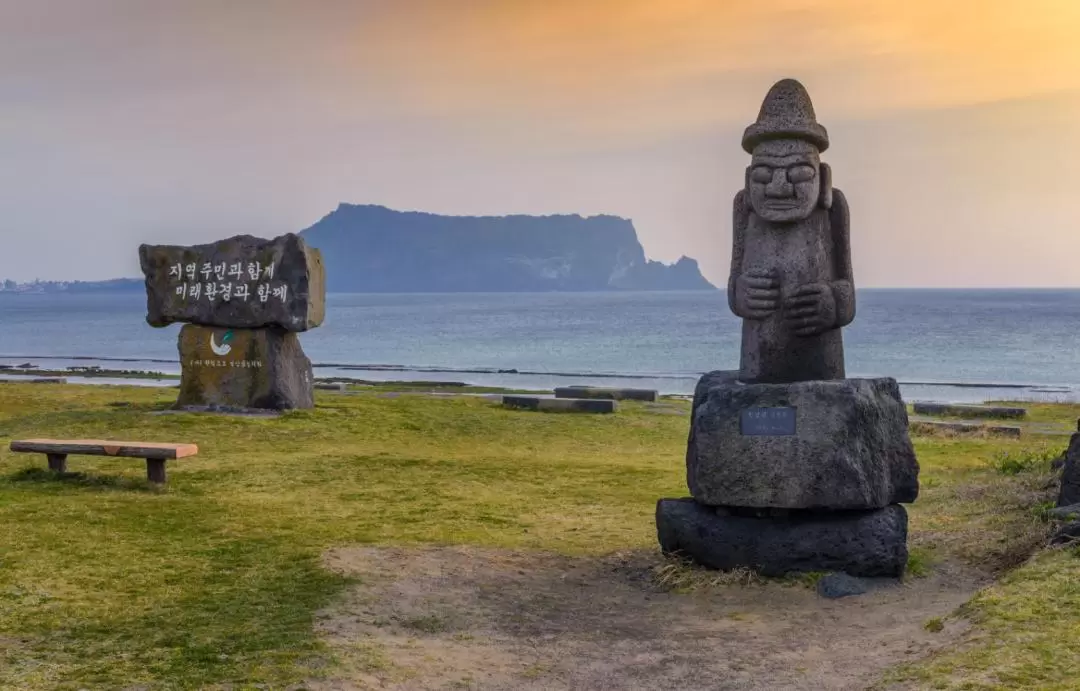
(248,369)
(804,476)
(859,543)
(846,446)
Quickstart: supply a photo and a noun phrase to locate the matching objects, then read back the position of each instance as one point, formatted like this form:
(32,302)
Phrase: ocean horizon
(955,345)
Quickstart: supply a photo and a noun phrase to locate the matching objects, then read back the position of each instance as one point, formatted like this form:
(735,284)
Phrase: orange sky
(953,122)
(864,57)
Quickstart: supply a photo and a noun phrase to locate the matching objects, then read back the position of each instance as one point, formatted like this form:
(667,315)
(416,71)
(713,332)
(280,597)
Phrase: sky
(954,125)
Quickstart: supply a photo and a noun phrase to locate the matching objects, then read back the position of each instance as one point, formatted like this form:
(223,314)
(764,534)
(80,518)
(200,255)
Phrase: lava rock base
(859,543)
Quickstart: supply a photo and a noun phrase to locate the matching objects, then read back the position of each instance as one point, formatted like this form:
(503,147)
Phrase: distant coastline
(27,367)
(369,249)
(136,285)
(112,285)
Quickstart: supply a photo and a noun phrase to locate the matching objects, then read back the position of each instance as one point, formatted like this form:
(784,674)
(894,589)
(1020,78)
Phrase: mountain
(372,249)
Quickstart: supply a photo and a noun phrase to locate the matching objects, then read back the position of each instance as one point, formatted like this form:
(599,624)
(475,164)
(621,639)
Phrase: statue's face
(784,180)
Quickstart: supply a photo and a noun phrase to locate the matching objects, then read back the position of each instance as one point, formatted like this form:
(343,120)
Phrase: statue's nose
(779,187)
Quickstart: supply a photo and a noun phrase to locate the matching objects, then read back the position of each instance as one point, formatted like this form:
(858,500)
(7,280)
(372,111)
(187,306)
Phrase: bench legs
(155,470)
(57,462)
(155,467)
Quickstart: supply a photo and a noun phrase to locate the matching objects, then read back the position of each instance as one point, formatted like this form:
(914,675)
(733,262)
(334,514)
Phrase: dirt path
(467,618)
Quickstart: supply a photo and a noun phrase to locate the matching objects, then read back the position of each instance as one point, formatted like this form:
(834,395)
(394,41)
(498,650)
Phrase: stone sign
(242,282)
(767,422)
(244,299)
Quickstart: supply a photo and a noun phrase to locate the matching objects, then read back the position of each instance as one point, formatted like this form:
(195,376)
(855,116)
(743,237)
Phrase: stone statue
(791,466)
(790,276)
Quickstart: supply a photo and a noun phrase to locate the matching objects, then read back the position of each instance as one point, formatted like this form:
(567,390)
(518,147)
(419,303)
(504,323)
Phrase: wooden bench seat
(57,451)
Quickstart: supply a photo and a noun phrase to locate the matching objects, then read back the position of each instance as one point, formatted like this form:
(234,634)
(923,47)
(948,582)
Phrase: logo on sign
(224,347)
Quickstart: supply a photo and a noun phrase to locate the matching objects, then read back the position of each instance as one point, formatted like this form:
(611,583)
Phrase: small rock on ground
(837,585)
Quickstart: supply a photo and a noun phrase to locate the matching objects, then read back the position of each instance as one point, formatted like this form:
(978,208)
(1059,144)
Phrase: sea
(941,345)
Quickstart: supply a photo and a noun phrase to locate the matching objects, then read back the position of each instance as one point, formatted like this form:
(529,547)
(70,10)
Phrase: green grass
(214,581)
(1026,633)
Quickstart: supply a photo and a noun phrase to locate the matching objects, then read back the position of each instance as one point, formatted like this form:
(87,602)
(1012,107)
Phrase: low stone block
(244,369)
(859,543)
(575,405)
(1067,534)
(242,282)
(331,386)
(962,427)
(838,444)
(601,392)
(1069,493)
(964,410)
(1070,512)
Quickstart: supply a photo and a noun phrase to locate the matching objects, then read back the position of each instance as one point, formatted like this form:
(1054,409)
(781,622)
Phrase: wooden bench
(57,451)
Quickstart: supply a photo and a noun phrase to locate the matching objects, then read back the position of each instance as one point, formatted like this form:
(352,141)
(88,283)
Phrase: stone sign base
(859,543)
(252,369)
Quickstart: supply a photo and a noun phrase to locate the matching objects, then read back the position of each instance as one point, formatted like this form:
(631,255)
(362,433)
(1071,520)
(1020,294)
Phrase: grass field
(215,580)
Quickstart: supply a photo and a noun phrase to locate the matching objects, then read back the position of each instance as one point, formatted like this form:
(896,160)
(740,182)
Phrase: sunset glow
(182,121)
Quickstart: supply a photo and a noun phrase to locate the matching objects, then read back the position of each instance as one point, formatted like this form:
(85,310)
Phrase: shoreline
(20,367)
(436,369)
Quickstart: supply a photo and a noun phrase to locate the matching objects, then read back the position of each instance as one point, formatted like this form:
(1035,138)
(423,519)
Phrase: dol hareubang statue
(792,466)
(791,276)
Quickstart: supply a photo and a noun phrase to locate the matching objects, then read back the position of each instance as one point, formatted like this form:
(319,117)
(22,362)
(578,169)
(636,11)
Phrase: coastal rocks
(243,369)
(241,282)
(244,300)
(859,543)
(848,446)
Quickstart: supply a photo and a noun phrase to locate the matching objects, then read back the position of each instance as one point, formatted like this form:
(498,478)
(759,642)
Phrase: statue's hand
(811,309)
(757,293)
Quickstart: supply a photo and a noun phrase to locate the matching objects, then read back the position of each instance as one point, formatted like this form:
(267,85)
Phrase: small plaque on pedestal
(767,422)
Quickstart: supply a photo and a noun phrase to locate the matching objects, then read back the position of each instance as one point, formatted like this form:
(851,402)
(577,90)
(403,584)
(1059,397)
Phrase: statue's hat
(786,113)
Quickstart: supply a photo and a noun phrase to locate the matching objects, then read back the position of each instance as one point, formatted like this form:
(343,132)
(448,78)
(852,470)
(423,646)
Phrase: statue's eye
(761,174)
(801,173)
